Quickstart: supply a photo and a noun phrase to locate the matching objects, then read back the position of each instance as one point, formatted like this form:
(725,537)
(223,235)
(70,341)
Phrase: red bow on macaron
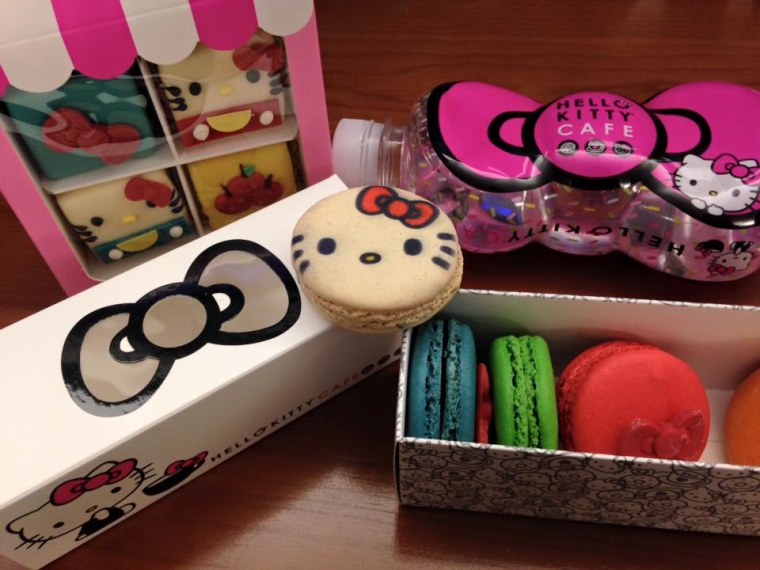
(374,200)
(679,438)
(75,488)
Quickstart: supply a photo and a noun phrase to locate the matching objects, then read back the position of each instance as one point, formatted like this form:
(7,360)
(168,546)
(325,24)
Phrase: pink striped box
(150,42)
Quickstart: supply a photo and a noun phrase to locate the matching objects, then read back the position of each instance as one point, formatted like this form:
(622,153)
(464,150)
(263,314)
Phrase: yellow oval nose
(713,193)
(226,89)
(129,219)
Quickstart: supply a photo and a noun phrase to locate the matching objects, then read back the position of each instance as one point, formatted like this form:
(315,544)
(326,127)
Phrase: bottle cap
(356,149)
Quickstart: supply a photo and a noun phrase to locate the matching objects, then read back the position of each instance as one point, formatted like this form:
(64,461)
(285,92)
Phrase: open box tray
(720,342)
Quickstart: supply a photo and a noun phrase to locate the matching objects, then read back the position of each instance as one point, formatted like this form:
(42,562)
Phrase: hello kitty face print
(83,505)
(213,94)
(736,260)
(719,186)
(375,248)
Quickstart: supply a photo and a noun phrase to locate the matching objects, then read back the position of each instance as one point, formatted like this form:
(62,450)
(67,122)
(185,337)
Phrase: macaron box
(152,378)
(447,470)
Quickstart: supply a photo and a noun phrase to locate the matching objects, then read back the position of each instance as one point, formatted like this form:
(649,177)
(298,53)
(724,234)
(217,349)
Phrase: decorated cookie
(235,185)
(83,125)
(120,218)
(377,259)
(214,94)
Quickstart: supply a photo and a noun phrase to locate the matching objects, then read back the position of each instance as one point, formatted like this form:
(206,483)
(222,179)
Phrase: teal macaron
(524,398)
(442,382)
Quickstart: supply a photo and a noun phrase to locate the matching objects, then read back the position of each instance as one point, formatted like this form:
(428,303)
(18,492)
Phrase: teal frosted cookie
(377,259)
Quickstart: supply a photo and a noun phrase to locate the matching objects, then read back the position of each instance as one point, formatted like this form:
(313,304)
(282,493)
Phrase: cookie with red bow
(634,399)
(377,259)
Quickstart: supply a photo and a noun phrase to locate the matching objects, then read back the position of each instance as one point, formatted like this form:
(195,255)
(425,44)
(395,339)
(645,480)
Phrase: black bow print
(235,292)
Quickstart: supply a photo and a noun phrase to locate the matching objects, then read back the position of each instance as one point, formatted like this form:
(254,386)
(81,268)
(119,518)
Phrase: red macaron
(630,398)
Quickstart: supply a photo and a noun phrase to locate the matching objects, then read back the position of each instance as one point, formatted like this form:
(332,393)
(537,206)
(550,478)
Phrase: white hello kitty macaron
(377,259)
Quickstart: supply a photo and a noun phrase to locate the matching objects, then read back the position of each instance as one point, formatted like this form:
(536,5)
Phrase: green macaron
(525,404)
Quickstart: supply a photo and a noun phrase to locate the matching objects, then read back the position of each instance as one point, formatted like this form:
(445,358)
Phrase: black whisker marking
(297,239)
(173,90)
(297,253)
(441,263)
(448,250)
(446,236)
(303,266)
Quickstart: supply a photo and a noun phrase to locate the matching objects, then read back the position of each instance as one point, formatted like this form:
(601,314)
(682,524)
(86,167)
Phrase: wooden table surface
(320,492)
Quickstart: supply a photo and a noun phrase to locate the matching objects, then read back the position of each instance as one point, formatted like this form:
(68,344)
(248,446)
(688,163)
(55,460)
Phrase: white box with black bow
(123,392)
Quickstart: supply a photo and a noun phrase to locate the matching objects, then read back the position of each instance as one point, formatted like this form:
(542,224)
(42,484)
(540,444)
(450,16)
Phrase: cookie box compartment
(119,394)
(722,343)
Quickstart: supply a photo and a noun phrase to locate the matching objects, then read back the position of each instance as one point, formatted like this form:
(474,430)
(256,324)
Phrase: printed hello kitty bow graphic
(156,193)
(236,292)
(261,56)
(681,144)
(744,170)
(75,488)
(375,200)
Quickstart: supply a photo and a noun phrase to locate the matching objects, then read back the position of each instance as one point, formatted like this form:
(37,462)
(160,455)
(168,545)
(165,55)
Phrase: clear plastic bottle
(368,152)
(589,173)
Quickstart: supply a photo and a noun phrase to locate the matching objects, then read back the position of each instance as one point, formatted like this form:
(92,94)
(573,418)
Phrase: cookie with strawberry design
(232,186)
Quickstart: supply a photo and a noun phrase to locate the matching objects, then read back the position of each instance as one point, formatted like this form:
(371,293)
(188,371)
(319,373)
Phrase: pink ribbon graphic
(75,488)
(729,164)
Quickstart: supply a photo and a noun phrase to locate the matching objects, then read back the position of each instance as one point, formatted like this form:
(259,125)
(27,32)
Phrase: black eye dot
(412,246)
(150,204)
(693,182)
(115,490)
(96,221)
(326,246)
(195,88)
(59,524)
(252,75)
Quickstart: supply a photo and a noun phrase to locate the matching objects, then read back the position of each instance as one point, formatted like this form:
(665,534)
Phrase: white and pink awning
(42,41)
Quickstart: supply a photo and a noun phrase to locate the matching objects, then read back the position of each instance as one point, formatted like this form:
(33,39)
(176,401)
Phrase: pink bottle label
(595,135)
(694,145)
